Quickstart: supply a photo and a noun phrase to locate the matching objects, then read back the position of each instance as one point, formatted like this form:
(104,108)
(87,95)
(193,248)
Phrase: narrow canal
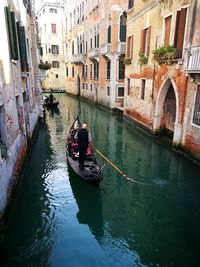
(58,220)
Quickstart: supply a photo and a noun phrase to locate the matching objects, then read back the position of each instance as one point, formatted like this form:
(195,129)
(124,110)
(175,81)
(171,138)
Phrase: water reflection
(88,199)
(60,220)
(33,224)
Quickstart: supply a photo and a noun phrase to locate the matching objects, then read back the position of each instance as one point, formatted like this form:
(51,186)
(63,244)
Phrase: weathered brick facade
(159,92)
(20,91)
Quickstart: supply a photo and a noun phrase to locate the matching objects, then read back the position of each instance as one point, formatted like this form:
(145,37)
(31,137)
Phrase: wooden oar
(112,164)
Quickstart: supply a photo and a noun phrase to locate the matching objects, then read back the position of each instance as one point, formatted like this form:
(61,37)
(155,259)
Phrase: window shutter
(14,35)
(10,17)
(132,38)
(180,29)
(167,30)
(22,47)
(142,41)
(148,40)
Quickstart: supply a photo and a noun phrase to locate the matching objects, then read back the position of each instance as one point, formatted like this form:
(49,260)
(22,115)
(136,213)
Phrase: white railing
(106,49)
(121,48)
(93,53)
(194,60)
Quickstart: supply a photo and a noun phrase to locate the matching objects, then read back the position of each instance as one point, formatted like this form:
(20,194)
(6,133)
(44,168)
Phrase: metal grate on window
(196,116)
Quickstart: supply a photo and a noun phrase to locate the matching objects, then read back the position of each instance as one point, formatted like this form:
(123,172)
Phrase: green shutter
(16,55)
(122,33)
(22,47)
(11,25)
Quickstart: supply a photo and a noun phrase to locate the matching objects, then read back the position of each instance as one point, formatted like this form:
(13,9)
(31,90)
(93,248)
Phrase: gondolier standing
(83,141)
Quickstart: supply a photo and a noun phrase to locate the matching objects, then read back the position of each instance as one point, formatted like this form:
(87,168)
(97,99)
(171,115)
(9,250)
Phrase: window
(55,64)
(145,41)
(180,30)
(72,47)
(83,86)
(122,35)
(96,70)
(72,71)
(56,75)
(130,4)
(121,73)
(143,85)
(55,49)
(91,87)
(109,34)
(196,115)
(129,51)
(86,71)
(96,36)
(53,28)
(91,40)
(120,92)
(11,24)
(108,70)
(168,21)
(83,70)
(108,91)
(53,10)
(90,71)
(67,71)
(86,86)
(128,86)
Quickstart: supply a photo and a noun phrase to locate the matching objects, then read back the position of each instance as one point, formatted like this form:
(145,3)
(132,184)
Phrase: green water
(59,220)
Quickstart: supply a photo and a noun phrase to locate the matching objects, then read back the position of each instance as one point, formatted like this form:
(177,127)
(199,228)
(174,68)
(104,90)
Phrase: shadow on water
(31,227)
(53,110)
(89,201)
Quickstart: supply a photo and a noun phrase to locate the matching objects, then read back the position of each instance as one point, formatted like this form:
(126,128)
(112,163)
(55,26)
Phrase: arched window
(123,20)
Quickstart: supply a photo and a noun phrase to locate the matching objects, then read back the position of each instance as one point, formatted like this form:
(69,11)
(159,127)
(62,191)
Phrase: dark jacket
(83,138)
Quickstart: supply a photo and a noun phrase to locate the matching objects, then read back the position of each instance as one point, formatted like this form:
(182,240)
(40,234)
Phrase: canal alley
(59,220)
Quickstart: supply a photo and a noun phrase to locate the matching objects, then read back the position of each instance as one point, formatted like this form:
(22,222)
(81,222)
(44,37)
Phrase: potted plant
(143,60)
(164,53)
(127,60)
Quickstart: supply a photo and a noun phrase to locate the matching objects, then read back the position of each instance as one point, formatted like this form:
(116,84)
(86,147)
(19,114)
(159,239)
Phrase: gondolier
(83,141)
(92,171)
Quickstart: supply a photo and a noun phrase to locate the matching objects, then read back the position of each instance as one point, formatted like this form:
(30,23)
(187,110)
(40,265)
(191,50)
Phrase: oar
(112,164)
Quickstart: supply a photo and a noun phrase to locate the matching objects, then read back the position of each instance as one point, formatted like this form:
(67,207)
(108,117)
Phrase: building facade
(160,93)
(51,37)
(95,50)
(20,91)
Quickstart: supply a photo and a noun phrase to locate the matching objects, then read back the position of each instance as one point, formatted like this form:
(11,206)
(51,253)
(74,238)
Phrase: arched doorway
(78,85)
(166,110)
(169,112)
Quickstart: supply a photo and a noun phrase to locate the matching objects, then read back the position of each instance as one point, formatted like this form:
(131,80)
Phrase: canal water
(59,220)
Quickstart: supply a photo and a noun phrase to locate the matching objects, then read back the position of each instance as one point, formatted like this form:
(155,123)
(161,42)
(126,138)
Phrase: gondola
(93,171)
(49,104)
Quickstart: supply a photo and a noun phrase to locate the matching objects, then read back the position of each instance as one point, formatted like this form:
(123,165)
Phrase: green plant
(127,60)
(143,60)
(44,66)
(164,53)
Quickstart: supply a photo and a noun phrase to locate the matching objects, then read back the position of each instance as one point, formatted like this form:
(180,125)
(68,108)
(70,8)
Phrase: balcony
(121,48)
(194,60)
(93,54)
(106,49)
(78,59)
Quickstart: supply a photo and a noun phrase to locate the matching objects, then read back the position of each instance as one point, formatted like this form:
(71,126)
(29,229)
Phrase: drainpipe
(156,44)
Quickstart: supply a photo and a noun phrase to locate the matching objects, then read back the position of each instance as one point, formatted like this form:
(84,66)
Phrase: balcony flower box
(164,54)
